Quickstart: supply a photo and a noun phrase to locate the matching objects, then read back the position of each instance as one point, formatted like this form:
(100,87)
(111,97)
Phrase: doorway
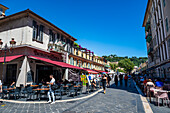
(43,72)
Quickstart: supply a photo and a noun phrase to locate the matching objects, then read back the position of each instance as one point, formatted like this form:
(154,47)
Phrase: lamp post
(6,49)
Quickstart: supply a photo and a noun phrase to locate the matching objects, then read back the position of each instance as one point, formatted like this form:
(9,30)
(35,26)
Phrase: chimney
(2,11)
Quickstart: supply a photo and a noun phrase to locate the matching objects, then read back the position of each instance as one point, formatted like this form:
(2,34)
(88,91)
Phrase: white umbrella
(25,73)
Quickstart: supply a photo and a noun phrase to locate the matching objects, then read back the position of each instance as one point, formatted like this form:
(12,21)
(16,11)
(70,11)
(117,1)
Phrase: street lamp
(6,49)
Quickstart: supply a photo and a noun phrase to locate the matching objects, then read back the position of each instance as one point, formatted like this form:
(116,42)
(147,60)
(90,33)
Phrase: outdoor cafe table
(34,85)
(40,89)
(157,90)
(8,89)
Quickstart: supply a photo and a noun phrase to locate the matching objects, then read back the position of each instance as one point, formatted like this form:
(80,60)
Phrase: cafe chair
(72,91)
(4,92)
(162,95)
(42,92)
(59,91)
(15,93)
(30,93)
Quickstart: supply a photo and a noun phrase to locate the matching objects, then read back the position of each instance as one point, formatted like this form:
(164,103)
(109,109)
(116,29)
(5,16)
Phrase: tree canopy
(113,66)
(134,59)
(127,64)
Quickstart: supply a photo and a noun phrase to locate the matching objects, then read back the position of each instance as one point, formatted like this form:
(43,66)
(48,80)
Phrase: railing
(147,27)
(150,50)
(55,47)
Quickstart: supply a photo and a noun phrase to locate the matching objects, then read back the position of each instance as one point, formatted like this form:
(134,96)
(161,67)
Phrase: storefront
(27,64)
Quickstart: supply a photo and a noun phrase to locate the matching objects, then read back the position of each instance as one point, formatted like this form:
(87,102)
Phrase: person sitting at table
(159,84)
(12,85)
(51,92)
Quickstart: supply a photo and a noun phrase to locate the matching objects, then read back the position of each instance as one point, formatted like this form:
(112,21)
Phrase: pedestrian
(0,88)
(121,78)
(116,80)
(126,79)
(108,80)
(129,80)
(104,80)
(51,92)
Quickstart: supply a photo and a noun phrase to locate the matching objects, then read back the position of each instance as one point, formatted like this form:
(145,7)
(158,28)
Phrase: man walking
(52,82)
(120,78)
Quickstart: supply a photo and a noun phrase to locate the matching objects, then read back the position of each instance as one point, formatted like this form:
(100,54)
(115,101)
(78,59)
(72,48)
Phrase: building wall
(158,15)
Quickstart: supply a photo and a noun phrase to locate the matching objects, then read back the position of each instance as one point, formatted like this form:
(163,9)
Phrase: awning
(61,64)
(101,71)
(10,58)
(90,71)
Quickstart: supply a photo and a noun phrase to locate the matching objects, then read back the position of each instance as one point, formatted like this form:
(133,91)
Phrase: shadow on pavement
(131,88)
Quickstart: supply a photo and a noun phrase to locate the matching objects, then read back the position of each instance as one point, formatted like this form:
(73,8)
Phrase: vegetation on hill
(136,61)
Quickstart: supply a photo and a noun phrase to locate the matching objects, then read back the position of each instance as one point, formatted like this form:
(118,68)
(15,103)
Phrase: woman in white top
(150,83)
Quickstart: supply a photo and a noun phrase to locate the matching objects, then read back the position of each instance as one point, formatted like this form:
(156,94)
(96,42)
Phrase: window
(58,36)
(34,30)
(41,33)
(37,31)
(164,3)
(52,36)
(167,27)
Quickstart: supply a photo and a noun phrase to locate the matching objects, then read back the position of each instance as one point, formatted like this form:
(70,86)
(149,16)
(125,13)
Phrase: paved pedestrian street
(116,100)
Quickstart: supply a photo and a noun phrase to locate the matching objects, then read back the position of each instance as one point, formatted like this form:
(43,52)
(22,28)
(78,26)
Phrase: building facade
(29,42)
(34,37)
(84,58)
(156,23)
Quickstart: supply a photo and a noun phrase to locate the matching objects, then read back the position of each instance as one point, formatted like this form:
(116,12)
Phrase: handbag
(54,87)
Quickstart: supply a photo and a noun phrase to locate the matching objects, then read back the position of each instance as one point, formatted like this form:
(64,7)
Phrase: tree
(127,64)
(113,66)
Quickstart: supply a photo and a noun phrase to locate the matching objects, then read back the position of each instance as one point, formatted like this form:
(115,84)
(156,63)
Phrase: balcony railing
(149,38)
(55,47)
(150,50)
(147,27)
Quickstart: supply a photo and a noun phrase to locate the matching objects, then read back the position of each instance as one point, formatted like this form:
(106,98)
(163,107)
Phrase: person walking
(104,80)
(126,79)
(108,80)
(51,92)
(120,78)
(116,80)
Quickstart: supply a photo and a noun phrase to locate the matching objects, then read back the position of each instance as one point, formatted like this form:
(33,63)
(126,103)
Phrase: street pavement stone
(116,100)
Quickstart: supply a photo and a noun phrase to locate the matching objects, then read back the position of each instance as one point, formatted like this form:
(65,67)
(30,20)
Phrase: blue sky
(103,26)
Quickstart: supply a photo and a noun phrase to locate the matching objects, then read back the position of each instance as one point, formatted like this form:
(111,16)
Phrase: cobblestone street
(117,100)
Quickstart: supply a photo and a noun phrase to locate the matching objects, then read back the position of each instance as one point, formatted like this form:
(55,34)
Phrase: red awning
(61,64)
(101,71)
(91,71)
(10,58)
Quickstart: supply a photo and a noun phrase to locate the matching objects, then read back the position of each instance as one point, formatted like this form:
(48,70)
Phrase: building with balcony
(84,58)
(45,47)
(156,23)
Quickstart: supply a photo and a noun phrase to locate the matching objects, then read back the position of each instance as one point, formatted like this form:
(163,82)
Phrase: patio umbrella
(25,76)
